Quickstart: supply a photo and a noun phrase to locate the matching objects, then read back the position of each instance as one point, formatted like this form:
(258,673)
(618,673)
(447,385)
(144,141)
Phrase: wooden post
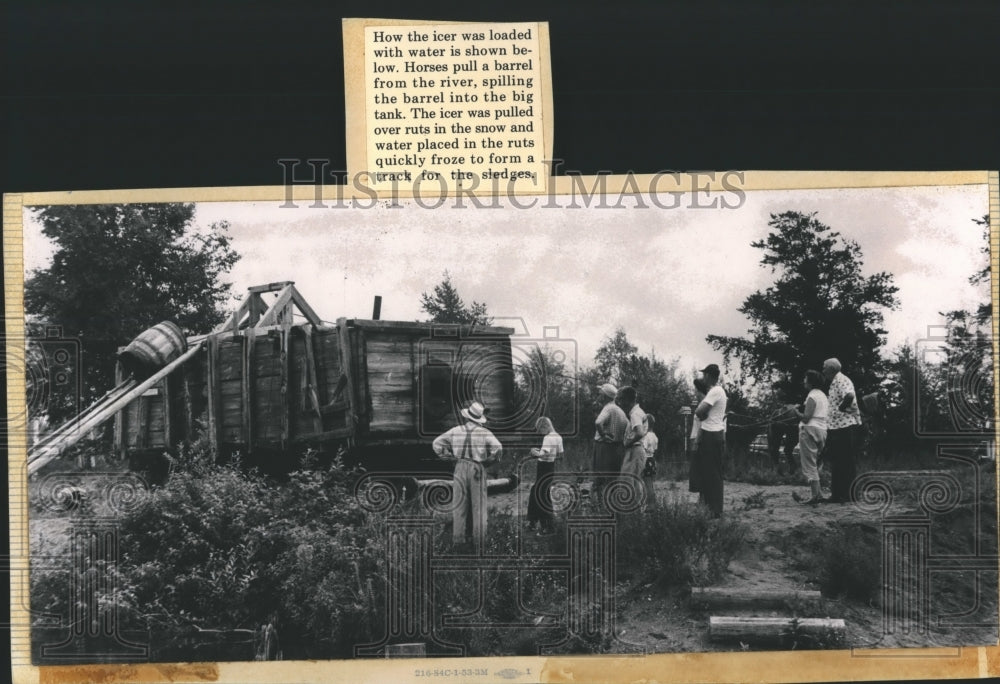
(120,419)
(344,341)
(284,359)
(167,418)
(142,422)
(312,378)
(249,343)
(214,394)
(730,597)
(770,629)
(188,410)
(377,308)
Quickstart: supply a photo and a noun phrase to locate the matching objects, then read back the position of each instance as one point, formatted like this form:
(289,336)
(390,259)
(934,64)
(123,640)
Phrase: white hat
(475,413)
(608,390)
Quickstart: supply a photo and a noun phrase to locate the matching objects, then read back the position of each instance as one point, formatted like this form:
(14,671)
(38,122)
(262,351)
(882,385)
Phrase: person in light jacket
(472,447)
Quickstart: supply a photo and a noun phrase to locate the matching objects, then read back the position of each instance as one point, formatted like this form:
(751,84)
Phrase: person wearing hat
(712,440)
(609,436)
(472,447)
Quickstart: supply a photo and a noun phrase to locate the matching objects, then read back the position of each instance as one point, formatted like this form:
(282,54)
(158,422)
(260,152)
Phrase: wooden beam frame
(280,305)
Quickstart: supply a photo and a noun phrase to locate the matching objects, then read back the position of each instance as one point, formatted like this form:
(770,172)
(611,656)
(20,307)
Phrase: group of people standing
(624,443)
(474,447)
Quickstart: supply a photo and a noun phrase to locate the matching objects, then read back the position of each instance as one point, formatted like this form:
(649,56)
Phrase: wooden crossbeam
(277,307)
(271,287)
(304,307)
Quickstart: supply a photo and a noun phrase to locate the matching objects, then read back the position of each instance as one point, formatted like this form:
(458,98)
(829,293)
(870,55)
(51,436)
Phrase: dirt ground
(784,536)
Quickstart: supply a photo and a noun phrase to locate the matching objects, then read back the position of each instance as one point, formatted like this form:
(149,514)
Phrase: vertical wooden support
(249,344)
(361,378)
(415,389)
(142,435)
(168,440)
(214,393)
(188,410)
(119,447)
(284,358)
(313,382)
(344,343)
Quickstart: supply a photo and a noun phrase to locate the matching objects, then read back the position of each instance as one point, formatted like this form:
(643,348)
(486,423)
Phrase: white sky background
(669,277)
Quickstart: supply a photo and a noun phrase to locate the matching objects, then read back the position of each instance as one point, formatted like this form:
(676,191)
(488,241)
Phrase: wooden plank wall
(397,392)
(415,390)
(392,381)
(268,401)
(231,389)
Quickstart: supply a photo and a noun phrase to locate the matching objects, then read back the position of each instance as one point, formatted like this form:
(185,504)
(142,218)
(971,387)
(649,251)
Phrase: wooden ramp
(68,434)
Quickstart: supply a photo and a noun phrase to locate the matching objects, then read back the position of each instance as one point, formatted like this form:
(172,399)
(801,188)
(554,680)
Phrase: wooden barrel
(153,349)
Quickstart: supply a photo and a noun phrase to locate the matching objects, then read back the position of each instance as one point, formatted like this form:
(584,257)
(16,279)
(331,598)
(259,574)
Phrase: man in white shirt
(472,447)
(712,440)
(844,424)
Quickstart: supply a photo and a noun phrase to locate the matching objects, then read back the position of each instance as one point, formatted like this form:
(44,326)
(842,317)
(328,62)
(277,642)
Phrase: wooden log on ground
(775,629)
(418,650)
(743,597)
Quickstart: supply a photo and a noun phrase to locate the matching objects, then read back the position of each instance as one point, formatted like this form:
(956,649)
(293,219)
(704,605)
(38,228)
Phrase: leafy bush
(675,544)
(218,549)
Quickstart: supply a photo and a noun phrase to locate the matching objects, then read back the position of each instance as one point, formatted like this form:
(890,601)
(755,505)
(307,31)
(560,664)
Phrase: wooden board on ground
(771,629)
(745,597)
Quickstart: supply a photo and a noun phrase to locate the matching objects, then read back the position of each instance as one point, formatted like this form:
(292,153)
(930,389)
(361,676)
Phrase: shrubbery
(675,544)
(218,552)
(220,548)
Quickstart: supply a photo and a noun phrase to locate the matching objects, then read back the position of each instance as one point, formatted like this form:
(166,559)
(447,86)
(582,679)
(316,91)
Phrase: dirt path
(784,544)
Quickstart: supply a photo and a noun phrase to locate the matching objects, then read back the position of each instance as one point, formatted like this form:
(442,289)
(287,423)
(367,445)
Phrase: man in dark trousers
(842,436)
(609,436)
(712,441)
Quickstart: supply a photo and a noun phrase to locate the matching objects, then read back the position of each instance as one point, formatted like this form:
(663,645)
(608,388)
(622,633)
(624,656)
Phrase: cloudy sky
(668,277)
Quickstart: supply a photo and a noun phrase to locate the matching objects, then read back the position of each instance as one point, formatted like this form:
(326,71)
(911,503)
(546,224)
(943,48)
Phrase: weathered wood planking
(279,386)
(267,400)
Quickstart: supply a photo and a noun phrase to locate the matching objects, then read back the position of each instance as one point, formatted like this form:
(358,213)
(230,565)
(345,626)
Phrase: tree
(446,306)
(612,357)
(661,389)
(820,306)
(120,269)
(968,347)
(546,383)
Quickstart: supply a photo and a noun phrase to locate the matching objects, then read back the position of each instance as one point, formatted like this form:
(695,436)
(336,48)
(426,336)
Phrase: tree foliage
(968,350)
(446,306)
(120,269)
(821,305)
(662,390)
(546,383)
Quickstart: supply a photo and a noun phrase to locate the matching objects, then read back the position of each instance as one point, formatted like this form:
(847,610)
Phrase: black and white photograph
(745,420)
